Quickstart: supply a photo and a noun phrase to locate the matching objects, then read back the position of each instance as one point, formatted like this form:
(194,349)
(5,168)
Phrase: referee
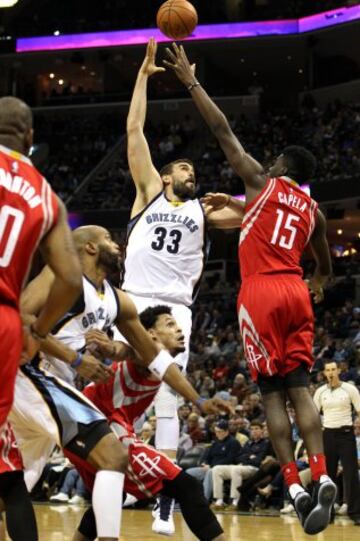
(336,400)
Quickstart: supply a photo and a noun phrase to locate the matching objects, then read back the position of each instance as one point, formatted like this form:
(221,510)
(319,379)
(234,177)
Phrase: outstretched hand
(215,201)
(217,405)
(179,63)
(149,66)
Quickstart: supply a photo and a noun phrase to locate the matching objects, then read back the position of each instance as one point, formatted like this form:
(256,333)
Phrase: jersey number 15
(287,240)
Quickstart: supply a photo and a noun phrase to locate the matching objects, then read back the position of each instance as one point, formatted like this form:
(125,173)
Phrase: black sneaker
(324,496)
(302,504)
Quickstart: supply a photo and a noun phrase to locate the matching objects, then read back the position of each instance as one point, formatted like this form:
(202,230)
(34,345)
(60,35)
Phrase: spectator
(240,389)
(194,430)
(245,465)
(72,490)
(223,450)
(147,434)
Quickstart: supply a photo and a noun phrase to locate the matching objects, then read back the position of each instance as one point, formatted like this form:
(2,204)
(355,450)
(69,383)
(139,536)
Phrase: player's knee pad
(166,402)
(167,433)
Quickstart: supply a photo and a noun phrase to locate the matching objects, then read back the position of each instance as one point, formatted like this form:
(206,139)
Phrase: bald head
(16,124)
(85,234)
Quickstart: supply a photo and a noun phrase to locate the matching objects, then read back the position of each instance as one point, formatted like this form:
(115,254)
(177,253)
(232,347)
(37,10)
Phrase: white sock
(295,489)
(219,502)
(235,501)
(107,502)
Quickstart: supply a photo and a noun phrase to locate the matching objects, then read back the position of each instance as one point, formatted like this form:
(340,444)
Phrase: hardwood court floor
(57,523)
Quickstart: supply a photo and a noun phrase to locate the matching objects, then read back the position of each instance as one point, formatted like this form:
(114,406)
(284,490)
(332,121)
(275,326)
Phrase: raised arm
(146,178)
(321,253)
(251,172)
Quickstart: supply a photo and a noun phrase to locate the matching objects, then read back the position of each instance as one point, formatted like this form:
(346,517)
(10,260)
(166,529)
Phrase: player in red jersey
(275,313)
(31,216)
(124,399)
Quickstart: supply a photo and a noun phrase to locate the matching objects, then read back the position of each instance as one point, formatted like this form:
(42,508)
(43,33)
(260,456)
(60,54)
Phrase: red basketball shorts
(276,323)
(10,458)
(11,341)
(146,471)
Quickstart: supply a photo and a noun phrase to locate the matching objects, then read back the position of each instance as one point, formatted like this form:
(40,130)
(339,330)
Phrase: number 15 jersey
(166,250)
(276,228)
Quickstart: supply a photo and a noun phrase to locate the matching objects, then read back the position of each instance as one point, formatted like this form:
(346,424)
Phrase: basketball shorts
(277,324)
(147,469)
(11,342)
(49,412)
(10,458)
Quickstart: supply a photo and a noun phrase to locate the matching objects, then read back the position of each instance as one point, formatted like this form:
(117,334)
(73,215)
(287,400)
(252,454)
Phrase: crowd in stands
(77,145)
(45,16)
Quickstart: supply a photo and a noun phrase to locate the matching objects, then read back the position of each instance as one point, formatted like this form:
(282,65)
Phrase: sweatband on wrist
(200,402)
(193,85)
(77,361)
(160,364)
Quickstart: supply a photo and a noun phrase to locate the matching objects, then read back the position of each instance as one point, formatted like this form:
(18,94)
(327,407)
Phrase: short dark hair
(256,423)
(330,361)
(168,168)
(301,163)
(150,315)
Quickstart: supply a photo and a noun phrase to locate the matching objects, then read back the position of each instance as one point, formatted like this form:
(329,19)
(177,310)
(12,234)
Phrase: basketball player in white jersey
(56,408)
(166,247)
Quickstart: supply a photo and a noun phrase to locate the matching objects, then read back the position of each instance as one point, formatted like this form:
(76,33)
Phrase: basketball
(177,19)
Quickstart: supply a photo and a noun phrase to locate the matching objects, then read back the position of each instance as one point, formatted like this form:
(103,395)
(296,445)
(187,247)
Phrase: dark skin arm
(251,171)
(321,253)
(58,251)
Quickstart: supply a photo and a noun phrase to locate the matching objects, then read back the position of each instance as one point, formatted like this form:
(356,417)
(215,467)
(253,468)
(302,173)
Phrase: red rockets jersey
(125,396)
(276,227)
(28,210)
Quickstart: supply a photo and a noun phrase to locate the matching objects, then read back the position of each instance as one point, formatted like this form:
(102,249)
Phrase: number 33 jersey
(166,250)
(276,227)
(28,210)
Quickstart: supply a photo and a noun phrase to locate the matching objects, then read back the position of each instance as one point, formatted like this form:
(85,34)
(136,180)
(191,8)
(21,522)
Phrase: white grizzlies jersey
(166,250)
(93,310)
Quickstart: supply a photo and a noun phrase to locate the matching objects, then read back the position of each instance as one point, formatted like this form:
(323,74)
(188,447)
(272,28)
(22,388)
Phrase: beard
(184,191)
(110,261)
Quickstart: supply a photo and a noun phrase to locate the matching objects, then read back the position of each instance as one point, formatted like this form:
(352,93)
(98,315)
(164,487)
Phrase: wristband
(35,334)
(199,402)
(160,364)
(78,361)
(107,362)
(193,85)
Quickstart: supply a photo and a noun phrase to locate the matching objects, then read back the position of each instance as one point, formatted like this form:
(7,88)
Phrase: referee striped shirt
(336,404)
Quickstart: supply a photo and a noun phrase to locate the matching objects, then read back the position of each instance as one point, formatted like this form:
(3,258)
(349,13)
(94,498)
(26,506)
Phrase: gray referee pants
(340,445)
